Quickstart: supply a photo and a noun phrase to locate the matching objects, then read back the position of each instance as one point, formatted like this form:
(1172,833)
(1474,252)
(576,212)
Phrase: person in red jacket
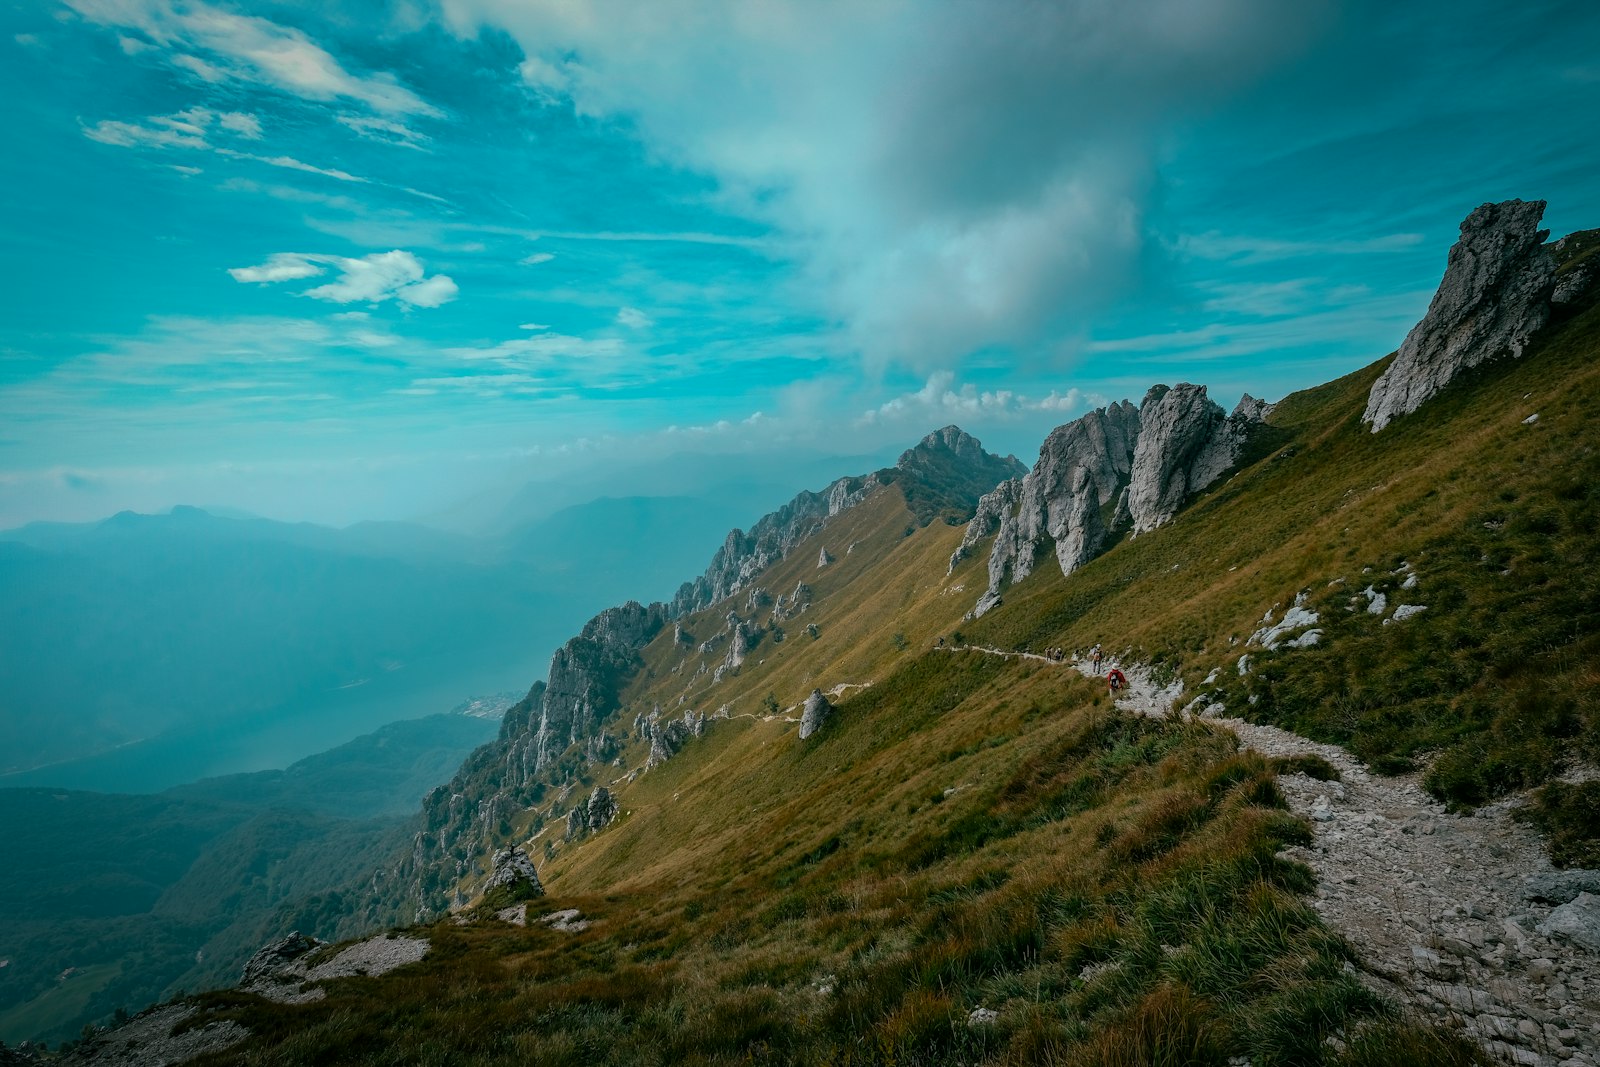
(1117,680)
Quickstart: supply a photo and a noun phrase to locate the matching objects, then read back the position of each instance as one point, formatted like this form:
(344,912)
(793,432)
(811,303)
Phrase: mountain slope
(970,831)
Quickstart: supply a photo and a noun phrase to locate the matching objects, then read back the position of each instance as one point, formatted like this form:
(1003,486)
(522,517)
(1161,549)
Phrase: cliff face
(1082,467)
(587,674)
(1146,461)
(1495,295)
(1185,443)
(745,555)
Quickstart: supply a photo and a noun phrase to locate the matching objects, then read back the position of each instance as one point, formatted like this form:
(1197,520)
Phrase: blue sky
(335,261)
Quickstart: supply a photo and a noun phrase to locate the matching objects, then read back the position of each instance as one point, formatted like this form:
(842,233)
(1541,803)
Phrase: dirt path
(1440,907)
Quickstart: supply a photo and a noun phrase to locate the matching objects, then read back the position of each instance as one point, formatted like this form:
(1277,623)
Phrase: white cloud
(542,350)
(954,175)
(373,278)
(633,318)
(246,126)
(279,267)
(534,326)
(535,259)
(1247,250)
(941,398)
(253,49)
(191,129)
(206,72)
(386,131)
(428,293)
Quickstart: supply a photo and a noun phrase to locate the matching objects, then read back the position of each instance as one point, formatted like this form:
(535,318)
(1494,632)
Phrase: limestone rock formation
(666,738)
(512,867)
(824,557)
(817,711)
(586,674)
(1185,442)
(1494,296)
(1140,463)
(994,507)
(270,961)
(593,815)
(745,555)
(792,604)
(1082,466)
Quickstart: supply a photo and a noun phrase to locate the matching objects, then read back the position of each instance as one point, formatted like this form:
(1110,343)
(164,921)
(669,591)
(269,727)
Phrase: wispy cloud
(940,397)
(191,129)
(373,278)
(1246,249)
(535,259)
(386,131)
(217,44)
(633,318)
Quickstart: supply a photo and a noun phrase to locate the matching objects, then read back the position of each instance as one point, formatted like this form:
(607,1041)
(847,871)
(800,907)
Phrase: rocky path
(1461,918)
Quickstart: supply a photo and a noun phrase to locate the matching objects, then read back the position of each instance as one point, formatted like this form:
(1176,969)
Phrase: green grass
(969,831)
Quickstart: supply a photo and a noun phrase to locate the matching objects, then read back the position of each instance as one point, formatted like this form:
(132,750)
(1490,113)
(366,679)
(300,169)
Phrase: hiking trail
(1451,915)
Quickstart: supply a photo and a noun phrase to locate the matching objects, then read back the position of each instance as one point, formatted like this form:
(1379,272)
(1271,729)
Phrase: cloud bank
(951,175)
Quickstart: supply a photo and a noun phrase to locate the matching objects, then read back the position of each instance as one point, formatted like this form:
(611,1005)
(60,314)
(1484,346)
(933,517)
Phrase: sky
(360,259)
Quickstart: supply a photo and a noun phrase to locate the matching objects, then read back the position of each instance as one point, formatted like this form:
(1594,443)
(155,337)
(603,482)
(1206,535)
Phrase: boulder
(602,808)
(272,960)
(511,867)
(1577,921)
(1495,295)
(817,711)
(1558,887)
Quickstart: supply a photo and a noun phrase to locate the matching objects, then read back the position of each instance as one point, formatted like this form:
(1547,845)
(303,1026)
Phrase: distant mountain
(168,639)
(131,628)
(115,900)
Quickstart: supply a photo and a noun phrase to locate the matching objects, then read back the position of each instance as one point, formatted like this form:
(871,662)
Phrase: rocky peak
(1495,295)
(1082,467)
(1183,445)
(1145,460)
(951,441)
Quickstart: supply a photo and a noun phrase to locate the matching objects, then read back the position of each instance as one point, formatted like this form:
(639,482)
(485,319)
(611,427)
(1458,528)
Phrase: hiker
(1094,657)
(1117,679)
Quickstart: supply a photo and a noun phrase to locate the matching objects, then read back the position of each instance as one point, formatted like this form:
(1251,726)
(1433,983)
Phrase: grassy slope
(973,831)
(976,832)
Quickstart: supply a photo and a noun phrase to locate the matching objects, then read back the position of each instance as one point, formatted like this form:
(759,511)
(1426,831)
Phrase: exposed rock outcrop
(513,868)
(1140,464)
(271,961)
(587,673)
(1494,296)
(1082,467)
(593,815)
(745,555)
(1185,443)
(994,507)
(817,711)
(666,738)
